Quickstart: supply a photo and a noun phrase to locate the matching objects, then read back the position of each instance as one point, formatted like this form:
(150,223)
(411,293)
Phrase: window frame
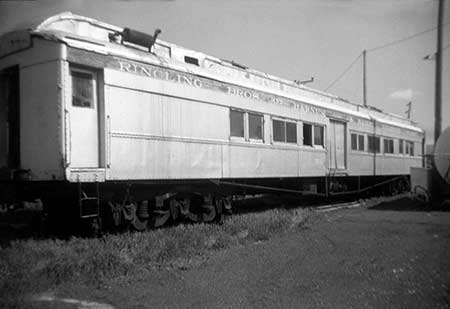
(363,142)
(246,126)
(387,141)
(283,131)
(94,85)
(296,132)
(355,135)
(238,137)
(409,148)
(312,134)
(284,123)
(313,137)
(358,145)
(252,139)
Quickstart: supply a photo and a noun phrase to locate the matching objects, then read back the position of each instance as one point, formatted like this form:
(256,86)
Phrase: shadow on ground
(263,202)
(411,204)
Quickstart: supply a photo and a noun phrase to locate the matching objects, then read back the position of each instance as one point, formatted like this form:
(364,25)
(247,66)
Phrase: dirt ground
(382,257)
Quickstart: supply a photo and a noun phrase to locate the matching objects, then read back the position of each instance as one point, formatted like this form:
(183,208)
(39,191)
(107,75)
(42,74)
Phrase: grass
(30,266)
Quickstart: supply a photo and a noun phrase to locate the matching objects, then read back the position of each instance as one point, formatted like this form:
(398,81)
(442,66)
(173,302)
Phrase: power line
(385,46)
(405,38)
(343,73)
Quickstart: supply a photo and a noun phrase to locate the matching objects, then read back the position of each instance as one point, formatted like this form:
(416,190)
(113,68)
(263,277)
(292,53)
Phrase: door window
(82,89)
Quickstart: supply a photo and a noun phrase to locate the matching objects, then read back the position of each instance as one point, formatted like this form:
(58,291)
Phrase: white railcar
(79,104)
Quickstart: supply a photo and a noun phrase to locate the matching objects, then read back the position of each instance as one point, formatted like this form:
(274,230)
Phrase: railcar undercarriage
(84,208)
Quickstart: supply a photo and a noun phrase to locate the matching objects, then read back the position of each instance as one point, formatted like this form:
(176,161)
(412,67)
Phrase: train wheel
(208,213)
(160,217)
(219,205)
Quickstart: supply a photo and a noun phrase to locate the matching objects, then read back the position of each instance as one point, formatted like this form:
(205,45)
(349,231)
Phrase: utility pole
(364,79)
(438,78)
(436,183)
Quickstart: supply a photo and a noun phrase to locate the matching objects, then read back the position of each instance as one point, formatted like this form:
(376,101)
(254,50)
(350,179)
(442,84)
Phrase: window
(291,132)
(388,145)
(409,148)
(284,131)
(357,141)
(82,89)
(307,134)
(400,146)
(278,131)
(236,123)
(360,142)
(255,126)
(318,135)
(313,135)
(191,60)
(354,139)
(374,143)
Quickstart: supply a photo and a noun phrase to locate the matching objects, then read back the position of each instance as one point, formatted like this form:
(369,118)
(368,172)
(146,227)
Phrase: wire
(343,73)
(385,46)
(405,38)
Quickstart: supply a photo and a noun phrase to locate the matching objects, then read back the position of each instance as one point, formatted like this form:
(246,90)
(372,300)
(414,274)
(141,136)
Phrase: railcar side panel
(254,161)
(140,158)
(41,126)
(147,109)
(160,116)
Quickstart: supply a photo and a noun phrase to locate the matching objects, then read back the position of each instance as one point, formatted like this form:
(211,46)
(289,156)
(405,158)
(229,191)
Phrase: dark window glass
(307,134)
(370,143)
(410,146)
(191,60)
(318,135)
(291,132)
(400,146)
(236,123)
(255,126)
(82,89)
(374,143)
(361,142)
(354,138)
(388,146)
(377,144)
(278,131)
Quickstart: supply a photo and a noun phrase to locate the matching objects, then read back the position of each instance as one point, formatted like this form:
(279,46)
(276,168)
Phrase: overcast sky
(293,39)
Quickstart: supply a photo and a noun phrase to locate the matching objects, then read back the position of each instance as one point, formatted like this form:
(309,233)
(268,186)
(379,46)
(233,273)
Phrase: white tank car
(122,115)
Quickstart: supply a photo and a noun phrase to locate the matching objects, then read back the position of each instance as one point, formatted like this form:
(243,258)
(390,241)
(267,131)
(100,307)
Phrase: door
(9,118)
(84,119)
(337,145)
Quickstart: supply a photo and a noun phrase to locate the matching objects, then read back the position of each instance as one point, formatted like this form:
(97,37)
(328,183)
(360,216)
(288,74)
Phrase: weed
(29,266)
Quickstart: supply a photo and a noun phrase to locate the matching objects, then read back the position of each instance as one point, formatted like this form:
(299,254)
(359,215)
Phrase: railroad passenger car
(89,113)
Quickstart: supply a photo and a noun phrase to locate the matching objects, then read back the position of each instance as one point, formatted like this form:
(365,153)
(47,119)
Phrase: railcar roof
(90,34)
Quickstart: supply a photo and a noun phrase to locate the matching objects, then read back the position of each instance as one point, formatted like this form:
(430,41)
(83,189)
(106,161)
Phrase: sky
(293,39)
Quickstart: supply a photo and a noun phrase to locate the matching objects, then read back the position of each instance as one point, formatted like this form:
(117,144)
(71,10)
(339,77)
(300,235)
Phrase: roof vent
(137,37)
